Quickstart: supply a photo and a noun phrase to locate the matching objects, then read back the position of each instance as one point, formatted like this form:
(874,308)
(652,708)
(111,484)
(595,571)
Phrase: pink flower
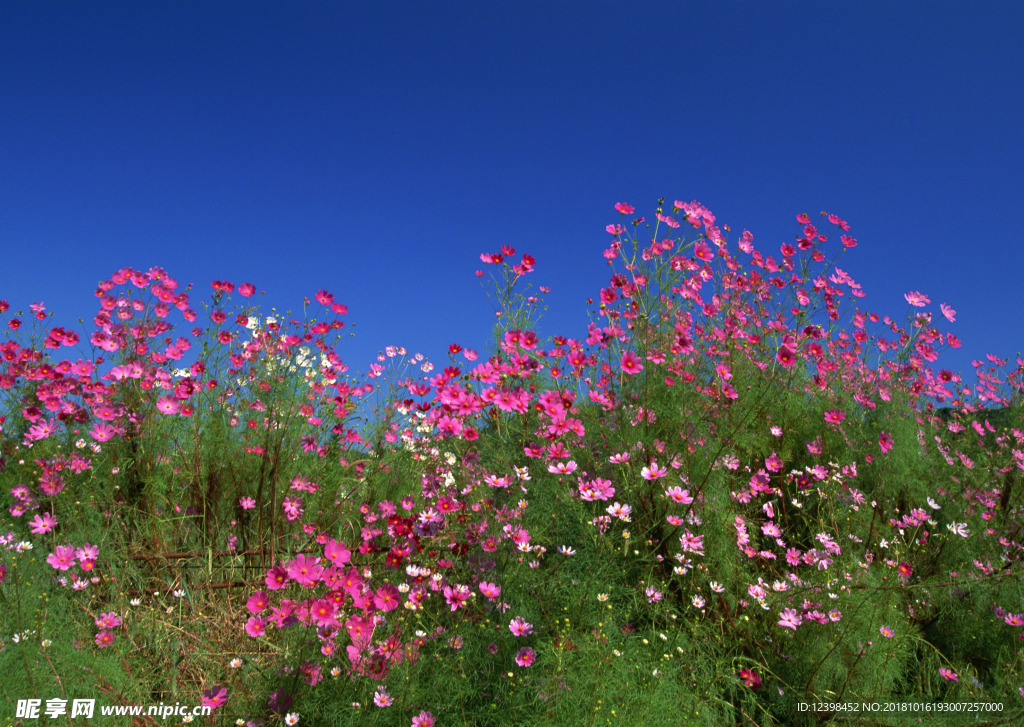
(104,639)
(835,416)
(949,675)
(336,552)
(322,611)
(948,312)
(520,627)
(885,442)
(62,558)
(630,363)
(246,290)
(168,405)
(786,357)
(255,626)
(526,656)
(277,577)
(622,207)
(456,597)
(246,503)
(653,472)
(43,524)
(102,432)
(257,602)
(423,719)
(304,570)
(887,632)
(387,598)
(917,299)
(108,620)
(790,619)
(490,590)
(214,697)
(677,494)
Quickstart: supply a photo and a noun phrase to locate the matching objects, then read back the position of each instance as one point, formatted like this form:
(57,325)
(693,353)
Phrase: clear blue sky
(376,149)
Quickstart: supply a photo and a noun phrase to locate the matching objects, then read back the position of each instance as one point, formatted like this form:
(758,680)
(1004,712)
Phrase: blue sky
(376,149)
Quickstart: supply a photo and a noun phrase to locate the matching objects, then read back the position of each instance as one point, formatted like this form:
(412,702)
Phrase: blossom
(386,598)
(291,718)
(948,312)
(490,590)
(887,632)
(423,719)
(336,552)
(949,675)
(104,639)
(43,524)
(917,299)
(526,656)
(884,442)
(630,363)
(653,472)
(62,558)
(679,495)
(520,627)
(751,678)
(790,619)
(108,620)
(246,503)
(381,698)
(255,626)
(102,432)
(214,697)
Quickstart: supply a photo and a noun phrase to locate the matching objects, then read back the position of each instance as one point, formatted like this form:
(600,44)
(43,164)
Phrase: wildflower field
(739,496)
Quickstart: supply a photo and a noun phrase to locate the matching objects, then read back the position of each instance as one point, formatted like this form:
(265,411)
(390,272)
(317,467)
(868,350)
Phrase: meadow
(736,497)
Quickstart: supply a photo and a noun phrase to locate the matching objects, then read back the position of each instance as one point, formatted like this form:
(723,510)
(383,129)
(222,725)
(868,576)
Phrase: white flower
(566,550)
(933,505)
(960,529)
(698,601)
(717,587)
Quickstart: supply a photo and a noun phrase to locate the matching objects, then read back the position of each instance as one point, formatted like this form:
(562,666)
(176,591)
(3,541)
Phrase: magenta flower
(43,524)
(387,598)
(214,697)
(885,442)
(257,602)
(948,312)
(256,626)
(949,675)
(304,570)
(526,656)
(108,620)
(423,719)
(336,552)
(62,558)
(104,639)
(630,363)
(887,632)
(520,627)
(456,597)
(322,611)
(277,577)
